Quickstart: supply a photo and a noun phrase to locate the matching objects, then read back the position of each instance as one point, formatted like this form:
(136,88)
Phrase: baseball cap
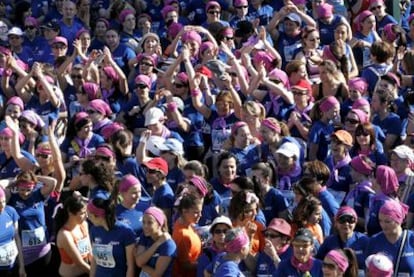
(221,220)
(153,116)
(15,31)
(344,137)
(51,25)
(154,144)
(280,225)
(158,164)
(289,149)
(60,40)
(404,152)
(304,234)
(294,17)
(173,145)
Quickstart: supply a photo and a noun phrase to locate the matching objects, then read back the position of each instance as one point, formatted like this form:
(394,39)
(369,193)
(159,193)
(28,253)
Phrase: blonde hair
(253,108)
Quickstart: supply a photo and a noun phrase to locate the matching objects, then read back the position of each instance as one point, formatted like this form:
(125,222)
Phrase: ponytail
(352,269)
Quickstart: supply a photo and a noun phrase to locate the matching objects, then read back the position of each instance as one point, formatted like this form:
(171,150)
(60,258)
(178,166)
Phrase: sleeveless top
(82,245)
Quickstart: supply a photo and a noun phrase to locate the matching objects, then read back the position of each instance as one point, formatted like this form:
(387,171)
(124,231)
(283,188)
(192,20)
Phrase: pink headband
(363,117)
(200,184)
(236,127)
(105,151)
(2,193)
(26,185)
(95,210)
(395,210)
(111,73)
(101,106)
(358,84)
(339,258)
(361,166)
(237,244)
(80,116)
(328,104)
(346,210)
(16,100)
(156,213)
(127,182)
(389,33)
(43,150)
(271,125)
(387,179)
(361,102)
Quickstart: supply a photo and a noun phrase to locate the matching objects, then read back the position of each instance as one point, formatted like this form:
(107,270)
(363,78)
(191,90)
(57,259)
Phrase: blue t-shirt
(246,158)
(288,46)
(320,134)
(274,203)
(109,249)
(327,30)
(226,268)
(265,265)
(389,125)
(9,168)
(209,211)
(130,217)
(8,219)
(286,268)
(166,249)
(344,176)
(373,73)
(362,55)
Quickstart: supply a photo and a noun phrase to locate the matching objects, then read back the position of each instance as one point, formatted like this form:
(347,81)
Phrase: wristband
(195,92)
(172,106)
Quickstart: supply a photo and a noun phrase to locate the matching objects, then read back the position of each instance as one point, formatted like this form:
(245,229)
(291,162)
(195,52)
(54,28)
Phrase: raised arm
(48,88)
(140,152)
(123,82)
(59,173)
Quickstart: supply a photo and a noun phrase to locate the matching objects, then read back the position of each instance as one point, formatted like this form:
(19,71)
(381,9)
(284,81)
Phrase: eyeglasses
(57,46)
(361,133)
(352,121)
(329,266)
(91,111)
(103,158)
(229,38)
(220,231)
(242,7)
(43,156)
(141,86)
(147,64)
(179,85)
(29,27)
(376,7)
(76,76)
(214,12)
(346,219)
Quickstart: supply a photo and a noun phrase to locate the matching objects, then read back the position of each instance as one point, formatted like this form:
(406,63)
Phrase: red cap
(158,164)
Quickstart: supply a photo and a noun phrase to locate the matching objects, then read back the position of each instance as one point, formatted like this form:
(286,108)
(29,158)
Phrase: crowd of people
(206,138)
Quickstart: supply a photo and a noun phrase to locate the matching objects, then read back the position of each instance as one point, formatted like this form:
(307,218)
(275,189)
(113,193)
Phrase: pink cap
(100,106)
(394,210)
(33,118)
(151,58)
(265,58)
(80,116)
(339,258)
(200,183)
(325,10)
(183,77)
(111,73)
(95,210)
(111,129)
(379,265)
(212,4)
(387,179)
(124,14)
(360,165)
(60,40)
(16,100)
(104,20)
(30,20)
(227,31)
(82,31)
(346,210)
(156,213)
(363,117)
(361,17)
(280,225)
(361,102)
(191,35)
(174,29)
(272,125)
(167,9)
(91,89)
(105,152)
(8,133)
(143,79)
(328,103)
(390,35)
(127,182)
(359,84)
(280,75)
(236,126)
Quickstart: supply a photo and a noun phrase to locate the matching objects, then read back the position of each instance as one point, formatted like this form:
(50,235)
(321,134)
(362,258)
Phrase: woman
(391,216)
(310,53)
(357,90)
(253,113)
(29,203)
(301,263)
(98,41)
(12,263)
(338,263)
(365,143)
(127,210)
(187,240)
(86,92)
(129,36)
(379,265)
(216,245)
(277,242)
(242,211)
(386,188)
(332,83)
(31,125)
(155,250)
(237,249)
(345,237)
(99,113)
(112,242)
(73,238)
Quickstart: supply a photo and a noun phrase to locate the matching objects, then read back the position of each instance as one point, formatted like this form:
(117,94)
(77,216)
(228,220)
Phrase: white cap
(221,220)
(154,145)
(289,149)
(380,264)
(404,152)
(15,31)
(153,115)
(173,145)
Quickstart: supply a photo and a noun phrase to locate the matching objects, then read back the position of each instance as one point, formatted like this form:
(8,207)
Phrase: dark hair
(199,168)
(367,127)
(26,176)
(267,171)
(352,270)
(187,202)
(306,206)
(307,186)
(382,51)
(339,51)
(72,205)
(238,203)
(102,173)
(109,207)
(74,127)
(120,141)
(318,170)
(226,155)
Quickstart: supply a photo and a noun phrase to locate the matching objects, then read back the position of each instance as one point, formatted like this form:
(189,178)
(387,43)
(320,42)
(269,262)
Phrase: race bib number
(33,237)
(83,246)
(8,253)
(103,255)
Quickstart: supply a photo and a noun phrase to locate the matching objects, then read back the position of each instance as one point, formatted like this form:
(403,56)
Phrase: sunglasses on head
(346,219)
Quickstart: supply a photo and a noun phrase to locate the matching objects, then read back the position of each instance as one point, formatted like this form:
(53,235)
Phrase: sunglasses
(352,121)
(346,219)
(43,156)
(76,76)
(298,92)
(214,12)
(329,266)
(153,171)
(147,64)
(56,46)
(29,27)
(141,86)
(361,133)
(179,85)
(229,38)
(275,236)
(220,231)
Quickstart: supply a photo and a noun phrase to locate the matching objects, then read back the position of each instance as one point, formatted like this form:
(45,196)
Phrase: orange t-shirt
(82,244)
(188,249)
(315,229)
